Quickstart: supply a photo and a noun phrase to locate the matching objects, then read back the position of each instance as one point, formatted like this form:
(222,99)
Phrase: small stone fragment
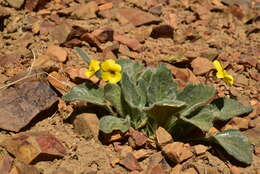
(131,43)
(176,169)
(157,170)
(58,53)
(177,152)
(59,36)
(137,17)
(87,124)
(130,163)
(190,171)
(125,51)
(34,146)
(5,162)
(163,137)
(125,150)
(34,5)
(138,137)
(257,151)
(155,160)
(104,34)
(105,6)
(201,66)
(22,168)
(61,83)
(142,153)
(62,171)
(241,123)
(164,31)
(15,3)
(20,104)
(200,149)
(86,11)
(234,170)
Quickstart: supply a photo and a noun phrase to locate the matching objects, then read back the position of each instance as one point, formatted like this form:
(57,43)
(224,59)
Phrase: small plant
(147,98)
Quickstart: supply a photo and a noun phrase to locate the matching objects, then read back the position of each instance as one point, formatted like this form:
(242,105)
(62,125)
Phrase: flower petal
(107,65)
(94,65)
(89,73)
(229,79)
(106,76)
(115,77)
(218,65)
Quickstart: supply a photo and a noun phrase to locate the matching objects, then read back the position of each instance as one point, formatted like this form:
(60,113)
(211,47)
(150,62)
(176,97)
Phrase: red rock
(125,150)
(86,11)
(108,54)
(59,36)
(22,168)
(163,137)
(142,33)
(34,5)
(58,53)
(92,40)
(131,43)
(130,163)
(105,6)
(165,31)
(61,83)
(142,153)
(176,169)
(87,124)
(138,137)
(241,123)
(137,17)
(20,104)
(34,146)
(201,66)
(125,51)
(104,34)
(157,170)
(156,160)
(200,149)
(184,76)
(257,151)
(172,20)
(62,171)
(177,152)
(234,170)
(156,10)
(5,163)
(190,171)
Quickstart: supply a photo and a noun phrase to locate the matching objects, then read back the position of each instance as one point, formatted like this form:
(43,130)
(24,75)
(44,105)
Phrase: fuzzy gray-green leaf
(108,124)
(132,93)
(162,86)
(162,112)
(195,96)
(230,108)
(235,144)
(86,92)
(204,118)
(131,68)
(113,94)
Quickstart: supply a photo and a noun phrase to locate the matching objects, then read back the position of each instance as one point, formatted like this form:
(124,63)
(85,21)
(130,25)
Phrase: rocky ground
(40,133)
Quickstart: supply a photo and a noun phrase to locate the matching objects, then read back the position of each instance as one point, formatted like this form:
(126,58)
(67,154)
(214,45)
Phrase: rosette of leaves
(147,98)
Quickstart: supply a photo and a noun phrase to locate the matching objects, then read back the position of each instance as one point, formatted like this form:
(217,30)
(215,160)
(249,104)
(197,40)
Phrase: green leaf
(161,87)
(230,108)
(108,124)
(235,144)
(86,92)
(163,112)
(132,93)
(131,68)
(204,118)
(195,96)
(113,94)
(82,54)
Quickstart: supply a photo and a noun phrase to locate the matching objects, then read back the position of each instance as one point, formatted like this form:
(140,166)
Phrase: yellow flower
(94,66)
(111,71)
(222,74)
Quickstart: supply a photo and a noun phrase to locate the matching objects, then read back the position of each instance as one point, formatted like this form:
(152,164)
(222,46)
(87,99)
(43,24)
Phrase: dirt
(176,34)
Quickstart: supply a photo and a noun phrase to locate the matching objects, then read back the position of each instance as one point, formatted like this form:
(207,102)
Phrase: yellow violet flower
(94,66)
(222,74)
(111,71)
